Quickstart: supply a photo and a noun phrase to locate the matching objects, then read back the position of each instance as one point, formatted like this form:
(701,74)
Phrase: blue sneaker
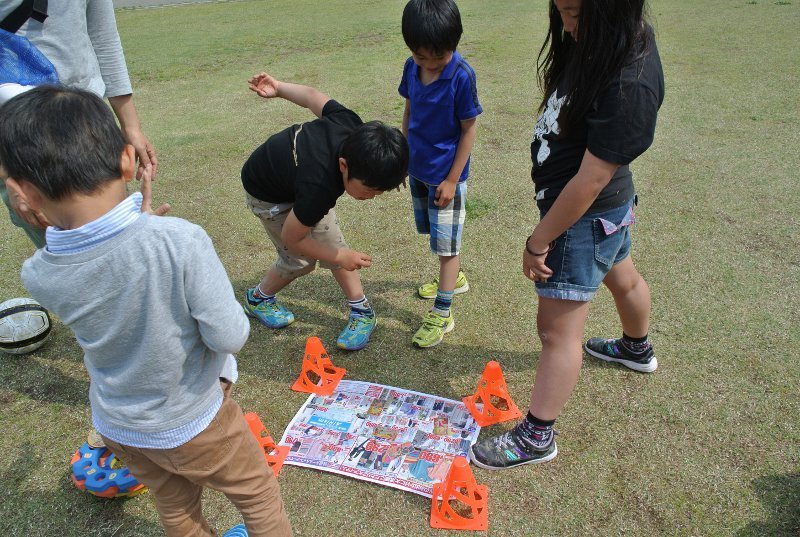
(237,531)
(356,334)
(269,314)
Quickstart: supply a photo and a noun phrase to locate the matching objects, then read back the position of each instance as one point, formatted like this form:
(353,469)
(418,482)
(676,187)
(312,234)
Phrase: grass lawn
(707,445)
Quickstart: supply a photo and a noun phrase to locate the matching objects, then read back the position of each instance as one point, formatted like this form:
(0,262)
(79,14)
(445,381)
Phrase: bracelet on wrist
(550,248)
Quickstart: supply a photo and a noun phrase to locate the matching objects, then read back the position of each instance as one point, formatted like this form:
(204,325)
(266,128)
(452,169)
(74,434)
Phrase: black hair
(63,141)
(377,155)
(608,32)
(434,25)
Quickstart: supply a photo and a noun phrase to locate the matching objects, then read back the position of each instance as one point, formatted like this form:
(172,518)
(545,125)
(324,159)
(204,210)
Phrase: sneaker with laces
(508,450)
(428,290)
(270,314)
(355,335)
(612,350)
(433,329)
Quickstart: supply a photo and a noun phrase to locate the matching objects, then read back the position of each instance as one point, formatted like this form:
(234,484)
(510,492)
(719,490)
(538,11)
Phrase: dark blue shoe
(612,350)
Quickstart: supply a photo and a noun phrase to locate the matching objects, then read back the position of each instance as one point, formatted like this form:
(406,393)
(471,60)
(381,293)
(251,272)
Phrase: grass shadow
(780,496)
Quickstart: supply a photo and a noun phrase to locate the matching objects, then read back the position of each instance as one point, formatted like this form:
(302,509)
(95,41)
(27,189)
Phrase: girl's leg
(560,324)
(632,297)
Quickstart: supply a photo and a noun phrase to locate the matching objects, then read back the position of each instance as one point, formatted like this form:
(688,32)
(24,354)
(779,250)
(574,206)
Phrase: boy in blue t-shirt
(439,123)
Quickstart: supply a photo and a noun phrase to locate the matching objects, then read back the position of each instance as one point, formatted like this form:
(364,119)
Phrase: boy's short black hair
(434,25)
(377,155)
(63,141)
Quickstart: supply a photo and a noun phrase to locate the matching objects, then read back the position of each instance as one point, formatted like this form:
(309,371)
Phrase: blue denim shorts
(445,225)
(584,254)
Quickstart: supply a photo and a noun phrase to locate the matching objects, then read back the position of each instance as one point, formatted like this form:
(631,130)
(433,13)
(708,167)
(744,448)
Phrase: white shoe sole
(649,367)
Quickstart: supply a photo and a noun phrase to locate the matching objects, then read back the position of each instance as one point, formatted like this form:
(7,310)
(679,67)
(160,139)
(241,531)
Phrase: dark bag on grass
(20,61)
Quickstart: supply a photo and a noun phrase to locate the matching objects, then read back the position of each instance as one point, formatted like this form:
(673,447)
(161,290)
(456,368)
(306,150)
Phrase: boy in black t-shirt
(293,181)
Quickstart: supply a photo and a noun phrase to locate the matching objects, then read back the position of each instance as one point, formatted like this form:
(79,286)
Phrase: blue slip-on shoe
(355,335)
(238,530)
(270,314)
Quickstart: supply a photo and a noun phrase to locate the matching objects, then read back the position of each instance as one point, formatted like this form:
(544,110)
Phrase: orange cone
(319,376)
(459,493)
(493,395)
(273,453)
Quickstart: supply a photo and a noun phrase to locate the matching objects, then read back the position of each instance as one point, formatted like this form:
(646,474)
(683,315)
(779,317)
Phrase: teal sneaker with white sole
(270,314)
(428,290)
(355,335)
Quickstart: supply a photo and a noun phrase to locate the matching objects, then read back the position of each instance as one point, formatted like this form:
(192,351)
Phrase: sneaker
(433,329)
(355,335)
(612,350)
(269,314)
(428,290)
(509,450)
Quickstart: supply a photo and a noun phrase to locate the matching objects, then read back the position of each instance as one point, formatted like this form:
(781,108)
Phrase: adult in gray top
(80,38)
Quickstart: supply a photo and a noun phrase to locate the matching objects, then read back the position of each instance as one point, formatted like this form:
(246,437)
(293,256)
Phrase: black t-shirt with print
(300,164)
(619,128)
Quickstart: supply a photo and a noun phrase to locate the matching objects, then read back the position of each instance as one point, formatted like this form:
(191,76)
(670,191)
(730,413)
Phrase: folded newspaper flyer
(391,436)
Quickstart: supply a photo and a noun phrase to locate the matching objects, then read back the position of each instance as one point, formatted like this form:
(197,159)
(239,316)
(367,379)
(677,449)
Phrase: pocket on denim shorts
(605,246)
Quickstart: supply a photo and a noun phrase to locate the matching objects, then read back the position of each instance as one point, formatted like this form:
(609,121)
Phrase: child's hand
(445,193)
(147,198)
(352,260)
(404,183)
(533,266)
(264,85)
(19,204)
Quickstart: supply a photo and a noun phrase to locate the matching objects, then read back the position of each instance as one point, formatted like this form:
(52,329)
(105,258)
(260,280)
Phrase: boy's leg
(242,474)
(261,301)
(177,499)
(361,320)
(446,226)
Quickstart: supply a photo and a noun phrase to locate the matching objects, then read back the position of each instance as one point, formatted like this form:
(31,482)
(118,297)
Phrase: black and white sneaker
(509,450)
(612,350)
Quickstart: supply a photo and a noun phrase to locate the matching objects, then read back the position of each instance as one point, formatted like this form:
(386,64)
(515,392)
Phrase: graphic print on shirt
(548,123)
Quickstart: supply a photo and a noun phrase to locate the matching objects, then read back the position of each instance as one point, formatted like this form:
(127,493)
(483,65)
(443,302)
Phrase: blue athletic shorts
(584,254)
(445,225)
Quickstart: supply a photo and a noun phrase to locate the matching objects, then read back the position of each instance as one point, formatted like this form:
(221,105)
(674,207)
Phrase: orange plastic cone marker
(459,503)
(493,395)
(273,453)
(319,376)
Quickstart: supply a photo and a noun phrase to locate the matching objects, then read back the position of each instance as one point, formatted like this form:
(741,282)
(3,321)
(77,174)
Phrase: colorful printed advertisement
(394,437)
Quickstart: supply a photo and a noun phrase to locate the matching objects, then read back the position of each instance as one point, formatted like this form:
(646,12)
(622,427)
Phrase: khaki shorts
(289,265)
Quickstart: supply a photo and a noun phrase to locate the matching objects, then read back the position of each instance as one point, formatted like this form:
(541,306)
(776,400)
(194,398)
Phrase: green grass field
(707,445)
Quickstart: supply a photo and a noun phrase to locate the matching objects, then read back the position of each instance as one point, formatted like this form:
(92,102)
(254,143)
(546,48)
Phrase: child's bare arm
(406,115)
(306,96)
(297,238)
(447,189)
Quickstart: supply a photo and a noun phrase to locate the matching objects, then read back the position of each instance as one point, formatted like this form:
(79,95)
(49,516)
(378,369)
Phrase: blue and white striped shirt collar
(96,232)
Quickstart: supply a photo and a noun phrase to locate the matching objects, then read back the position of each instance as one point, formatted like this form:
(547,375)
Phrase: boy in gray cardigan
(151,306)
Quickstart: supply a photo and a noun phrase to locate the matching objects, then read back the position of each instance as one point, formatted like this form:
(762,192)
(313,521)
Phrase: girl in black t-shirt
(603,85)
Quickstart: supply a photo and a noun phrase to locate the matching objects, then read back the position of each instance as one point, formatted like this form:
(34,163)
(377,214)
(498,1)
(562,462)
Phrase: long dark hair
(608,30)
